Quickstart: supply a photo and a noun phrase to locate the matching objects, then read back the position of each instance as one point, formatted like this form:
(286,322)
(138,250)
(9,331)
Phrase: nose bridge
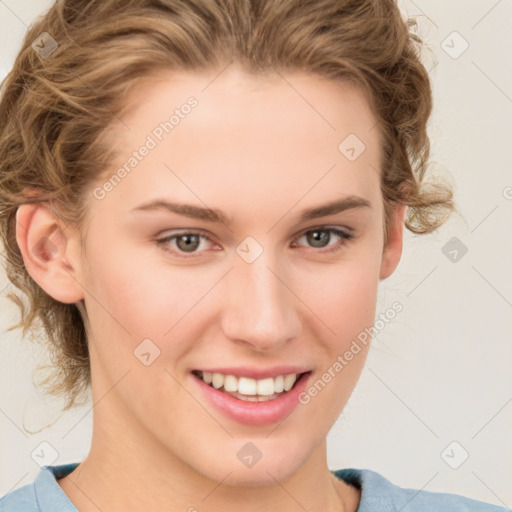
(259,307)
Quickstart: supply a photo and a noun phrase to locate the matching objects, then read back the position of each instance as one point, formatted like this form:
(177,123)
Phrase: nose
(259,307)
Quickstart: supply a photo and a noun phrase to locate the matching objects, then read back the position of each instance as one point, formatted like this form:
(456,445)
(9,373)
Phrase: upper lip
(257,373)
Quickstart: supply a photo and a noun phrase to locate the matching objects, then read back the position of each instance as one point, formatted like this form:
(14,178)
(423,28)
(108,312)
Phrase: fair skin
(256,150)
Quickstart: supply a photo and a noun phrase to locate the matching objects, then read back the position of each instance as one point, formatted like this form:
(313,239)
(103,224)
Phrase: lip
(257,373)
(254,413)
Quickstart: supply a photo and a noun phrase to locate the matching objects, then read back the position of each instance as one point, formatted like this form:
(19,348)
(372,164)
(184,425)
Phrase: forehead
(247,138)
(233,95)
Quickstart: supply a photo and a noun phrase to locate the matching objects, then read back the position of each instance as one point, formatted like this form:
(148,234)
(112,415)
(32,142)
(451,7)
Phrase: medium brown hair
(54,109)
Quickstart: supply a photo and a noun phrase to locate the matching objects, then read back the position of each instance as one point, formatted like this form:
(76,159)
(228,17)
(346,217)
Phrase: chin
(253,477)
(277,465)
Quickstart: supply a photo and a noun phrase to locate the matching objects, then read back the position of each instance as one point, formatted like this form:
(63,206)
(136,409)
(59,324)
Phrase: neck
(132,479)
(128,469)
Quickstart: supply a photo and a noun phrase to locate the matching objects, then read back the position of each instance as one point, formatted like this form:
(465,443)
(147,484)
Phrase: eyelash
(345,238)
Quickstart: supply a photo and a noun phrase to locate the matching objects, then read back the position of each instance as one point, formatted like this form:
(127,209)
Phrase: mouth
(248,389)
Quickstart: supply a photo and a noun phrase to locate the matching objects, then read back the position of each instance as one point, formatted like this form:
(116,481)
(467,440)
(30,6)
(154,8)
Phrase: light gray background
(439,372)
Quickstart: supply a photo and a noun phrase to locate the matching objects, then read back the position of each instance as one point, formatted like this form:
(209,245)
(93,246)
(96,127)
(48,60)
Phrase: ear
(50,252)
(392,251)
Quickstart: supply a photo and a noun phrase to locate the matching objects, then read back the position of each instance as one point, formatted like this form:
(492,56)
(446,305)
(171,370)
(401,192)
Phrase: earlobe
(393,250)
(48,251)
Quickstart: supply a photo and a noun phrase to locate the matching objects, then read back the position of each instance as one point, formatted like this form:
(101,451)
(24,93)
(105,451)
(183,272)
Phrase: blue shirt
(377,495)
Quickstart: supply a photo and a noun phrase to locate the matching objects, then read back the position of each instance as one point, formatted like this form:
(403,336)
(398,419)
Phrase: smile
(251,395)
(248,389)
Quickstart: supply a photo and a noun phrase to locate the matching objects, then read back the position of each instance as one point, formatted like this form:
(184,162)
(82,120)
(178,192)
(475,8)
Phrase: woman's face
(265,292)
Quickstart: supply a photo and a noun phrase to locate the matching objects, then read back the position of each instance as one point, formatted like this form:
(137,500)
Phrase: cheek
(343,297)
(133,297)
(135,294)
(345,302)
(134,288)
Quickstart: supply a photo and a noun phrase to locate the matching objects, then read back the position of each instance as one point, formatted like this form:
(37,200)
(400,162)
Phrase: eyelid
(345,234)
(345,229)
(164,241)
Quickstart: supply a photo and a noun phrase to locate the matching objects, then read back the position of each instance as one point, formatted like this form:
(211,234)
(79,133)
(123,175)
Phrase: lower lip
(255,413)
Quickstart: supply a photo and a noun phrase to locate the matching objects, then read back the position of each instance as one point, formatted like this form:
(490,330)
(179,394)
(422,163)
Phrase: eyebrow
(218,216)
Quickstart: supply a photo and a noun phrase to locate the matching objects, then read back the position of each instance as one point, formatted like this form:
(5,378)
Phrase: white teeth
(217,380)
(246,386)
(289,381)
(250,387)
(230,383)
(279,384)
(265,387)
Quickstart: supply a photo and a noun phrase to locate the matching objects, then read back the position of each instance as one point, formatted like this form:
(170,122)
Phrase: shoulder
(42,495)
(22,499)
(378,493)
